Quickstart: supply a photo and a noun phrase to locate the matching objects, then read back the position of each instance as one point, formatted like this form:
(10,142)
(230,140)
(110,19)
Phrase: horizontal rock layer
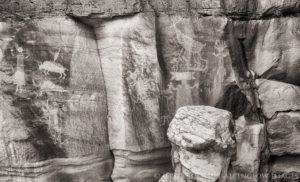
(108,8)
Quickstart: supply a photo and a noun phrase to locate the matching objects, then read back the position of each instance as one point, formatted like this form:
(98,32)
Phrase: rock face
(202,143)
(284,133)
(53,103)
(88,89)
(278,97)
(250,140)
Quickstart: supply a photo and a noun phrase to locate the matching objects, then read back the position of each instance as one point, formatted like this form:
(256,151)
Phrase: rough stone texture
(103,9)
(53,102)
(283,133)
(201,128)
(204,166)
(202,143)
(278,96)
(250,141)
(285,169)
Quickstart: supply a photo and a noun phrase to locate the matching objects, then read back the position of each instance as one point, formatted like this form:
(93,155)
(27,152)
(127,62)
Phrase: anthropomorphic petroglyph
(221,54)
(49,66)
(191,49)
(19,76)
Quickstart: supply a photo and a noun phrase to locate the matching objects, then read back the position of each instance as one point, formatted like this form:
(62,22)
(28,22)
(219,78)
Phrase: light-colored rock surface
(203,166)
(145,166)
(284,134)
(250,139)
(278,96)
(53,99)
(202,144)
(168,177)
(201,128)
(131,70)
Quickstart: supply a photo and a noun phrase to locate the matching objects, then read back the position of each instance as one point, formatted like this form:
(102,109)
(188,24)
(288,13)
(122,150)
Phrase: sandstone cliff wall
(89,88)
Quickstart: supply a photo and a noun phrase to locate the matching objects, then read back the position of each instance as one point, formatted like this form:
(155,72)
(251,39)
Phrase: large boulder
(201,128)
(277,96)
(202,143)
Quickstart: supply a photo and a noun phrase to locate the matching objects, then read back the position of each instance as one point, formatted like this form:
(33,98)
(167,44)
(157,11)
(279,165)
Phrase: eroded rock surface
(202,143)
(201,128)
(283,133)
(53,102)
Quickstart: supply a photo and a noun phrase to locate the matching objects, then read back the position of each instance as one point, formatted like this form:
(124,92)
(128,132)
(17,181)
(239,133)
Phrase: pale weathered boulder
(277,96)
(250,139)
(201,128)
(284,133)
(272,48)
(202,144)
(147,166)
(203,166)
(53,102)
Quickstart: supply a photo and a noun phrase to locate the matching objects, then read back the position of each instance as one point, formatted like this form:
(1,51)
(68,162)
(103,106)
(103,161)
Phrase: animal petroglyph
(48,86)
(49,66)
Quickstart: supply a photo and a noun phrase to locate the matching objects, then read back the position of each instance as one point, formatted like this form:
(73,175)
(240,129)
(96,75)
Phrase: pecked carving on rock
(53,102)
(188,51)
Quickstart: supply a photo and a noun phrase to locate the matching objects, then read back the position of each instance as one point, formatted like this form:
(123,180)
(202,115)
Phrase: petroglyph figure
(19,76)
(48,86)
(221,47)
(191,49)
(48,66)
(56,55)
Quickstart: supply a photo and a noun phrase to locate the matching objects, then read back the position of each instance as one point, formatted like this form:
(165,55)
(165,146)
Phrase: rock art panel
(188,51)
(55,111)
